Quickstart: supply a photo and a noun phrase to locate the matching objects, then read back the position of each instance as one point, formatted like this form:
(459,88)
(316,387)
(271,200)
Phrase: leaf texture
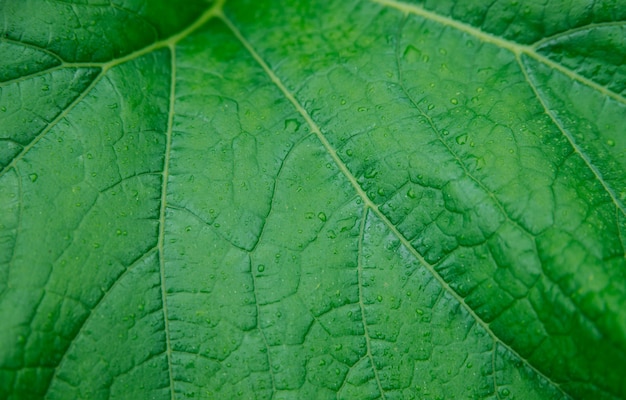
(323,199)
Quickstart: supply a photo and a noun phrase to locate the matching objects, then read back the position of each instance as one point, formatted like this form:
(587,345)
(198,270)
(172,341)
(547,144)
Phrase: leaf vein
(611,192)
(162,213)
(513,47)
(368,338)
(361,193)
(92,312)
(53,123)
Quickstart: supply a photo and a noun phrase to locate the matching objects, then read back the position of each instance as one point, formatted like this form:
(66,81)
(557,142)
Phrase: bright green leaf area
(325,199)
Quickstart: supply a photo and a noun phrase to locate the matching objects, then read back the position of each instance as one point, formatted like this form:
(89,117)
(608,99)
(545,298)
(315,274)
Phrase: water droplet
(343,101)
(505,392)
(445,132)
(411,53)
(379,298)
(610,142)
(321,216)
(3,108)
(461,139)
(33,177)
(431,106)
(454,101)
(370,173)
(381,191)
(411,193)
(419,311)
(45,88)
(188,229)
(362,109)
(349,153)
(292,124)
(260,268)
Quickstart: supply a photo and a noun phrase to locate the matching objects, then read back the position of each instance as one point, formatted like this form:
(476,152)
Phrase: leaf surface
(322,199)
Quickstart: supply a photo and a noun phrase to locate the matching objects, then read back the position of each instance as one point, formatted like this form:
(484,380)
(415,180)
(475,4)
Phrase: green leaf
(343,199)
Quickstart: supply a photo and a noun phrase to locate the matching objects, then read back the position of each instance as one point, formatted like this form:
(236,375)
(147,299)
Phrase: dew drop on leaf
(461,139)
(370,173)
(411,53)
(33,177)
(292,124)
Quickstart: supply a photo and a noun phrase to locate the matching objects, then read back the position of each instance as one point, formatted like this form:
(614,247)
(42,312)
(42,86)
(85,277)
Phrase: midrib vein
(162,211)
(516,48)
(367,202)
